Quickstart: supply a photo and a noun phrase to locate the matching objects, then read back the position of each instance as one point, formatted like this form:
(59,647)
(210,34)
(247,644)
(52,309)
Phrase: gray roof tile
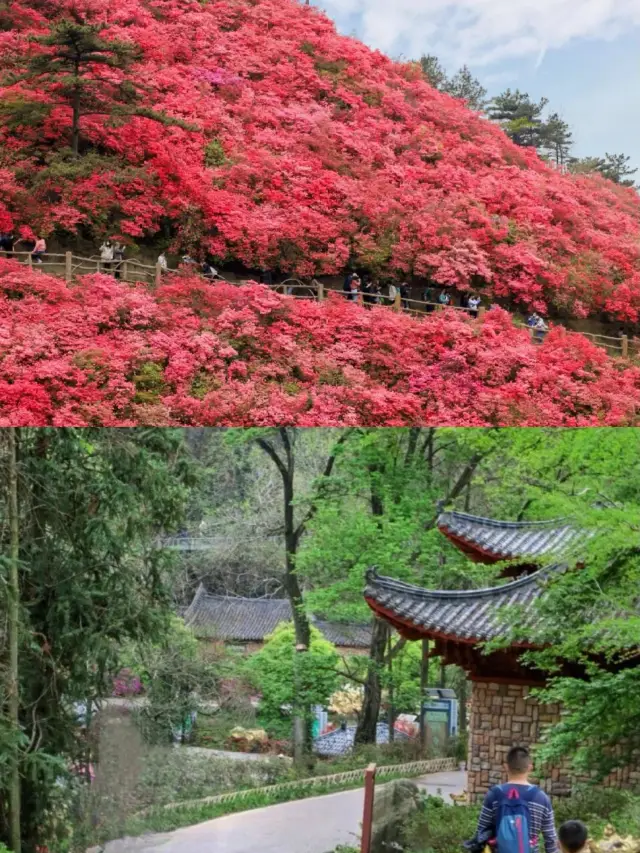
(514,539)
(252,619)
(468,615)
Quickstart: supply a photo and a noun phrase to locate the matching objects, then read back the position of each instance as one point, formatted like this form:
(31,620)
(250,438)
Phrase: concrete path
(316,825)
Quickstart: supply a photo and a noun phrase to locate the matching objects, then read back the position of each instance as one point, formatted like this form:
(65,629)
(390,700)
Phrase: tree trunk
(368,720)
(424,683)
(75,121)
(13,628)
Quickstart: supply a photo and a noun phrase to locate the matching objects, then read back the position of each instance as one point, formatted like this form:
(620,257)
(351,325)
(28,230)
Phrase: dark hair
(518,759)
(573,835)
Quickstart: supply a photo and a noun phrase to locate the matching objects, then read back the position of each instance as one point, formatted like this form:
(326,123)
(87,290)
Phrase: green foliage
(214,154)
(177,680)
(277,668)
(92,501)
(441,828)
(463,85)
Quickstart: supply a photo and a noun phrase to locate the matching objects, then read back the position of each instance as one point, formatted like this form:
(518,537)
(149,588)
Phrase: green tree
(520,117)
(557,139)
(433,71)
(177,680)
(78,68)
(466,87)
(380,509)
(287,679)
(614,167)
(90,503)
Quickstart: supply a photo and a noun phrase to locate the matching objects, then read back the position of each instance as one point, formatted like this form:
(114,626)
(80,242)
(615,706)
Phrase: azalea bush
(100,353)
(287,145)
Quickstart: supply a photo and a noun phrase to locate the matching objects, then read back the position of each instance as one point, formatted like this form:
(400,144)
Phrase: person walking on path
(518,813)
(106,256)
(39,250)
(118,259)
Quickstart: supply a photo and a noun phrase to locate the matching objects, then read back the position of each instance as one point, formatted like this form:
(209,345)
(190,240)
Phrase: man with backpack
(518,813)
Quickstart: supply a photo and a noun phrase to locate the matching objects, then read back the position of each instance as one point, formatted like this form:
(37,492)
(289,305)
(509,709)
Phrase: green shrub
(441,828)
(214,154)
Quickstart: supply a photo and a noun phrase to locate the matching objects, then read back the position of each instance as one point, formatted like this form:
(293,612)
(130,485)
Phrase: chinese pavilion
(503,713)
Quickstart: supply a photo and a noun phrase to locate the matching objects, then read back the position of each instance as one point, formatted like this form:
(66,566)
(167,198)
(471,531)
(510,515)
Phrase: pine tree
(70,67)
(434,72)
(520,117)
(556,139)
(466,87)
(614,167)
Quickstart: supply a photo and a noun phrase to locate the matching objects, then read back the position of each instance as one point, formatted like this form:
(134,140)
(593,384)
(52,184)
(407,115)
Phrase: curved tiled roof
(468,615)
(505,540)
(246,620)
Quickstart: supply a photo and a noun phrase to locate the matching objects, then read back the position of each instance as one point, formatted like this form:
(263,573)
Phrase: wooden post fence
(625,346)
(158,274)
(68,266)
(320,291)
(367,814)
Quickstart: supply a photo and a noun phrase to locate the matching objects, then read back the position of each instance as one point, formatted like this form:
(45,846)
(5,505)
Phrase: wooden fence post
(125,271)
(397,303)
(158,274)
(30,260)
(367,814)
(68,266)
(625,346)
(481,312)
(320,296)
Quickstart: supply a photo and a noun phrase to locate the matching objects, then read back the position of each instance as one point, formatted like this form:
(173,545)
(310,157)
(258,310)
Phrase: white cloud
(482,32)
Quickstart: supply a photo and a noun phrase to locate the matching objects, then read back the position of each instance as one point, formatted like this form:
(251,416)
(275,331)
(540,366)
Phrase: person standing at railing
(118,259)
(474,305)
(427,297)
(393,292)
(354,289)
(404,295)
(106,256)
(39,250)
(162,262)
(6,243)
(444,299)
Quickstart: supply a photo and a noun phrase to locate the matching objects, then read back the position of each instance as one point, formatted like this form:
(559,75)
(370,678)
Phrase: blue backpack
(514,819)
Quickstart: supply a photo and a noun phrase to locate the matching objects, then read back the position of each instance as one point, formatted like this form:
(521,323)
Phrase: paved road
(316,825)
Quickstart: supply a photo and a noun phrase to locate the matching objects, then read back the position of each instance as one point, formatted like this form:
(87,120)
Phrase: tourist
(573,836)
(355,289)
(346,287)
(209,272)
(532,320)
(162,261)
(39,250)
(404,295)
(6,243)
(393,292)
(474,305)
(518,798)
(445,298)
(427,297)
(106,256)
(376,290)
(367,291)
(540,330)
(118,258)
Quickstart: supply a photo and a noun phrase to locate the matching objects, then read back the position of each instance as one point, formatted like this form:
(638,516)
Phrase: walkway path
(315,825)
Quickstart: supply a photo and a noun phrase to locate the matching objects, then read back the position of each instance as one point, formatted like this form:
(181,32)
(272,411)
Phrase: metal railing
(68,266)
(413,768)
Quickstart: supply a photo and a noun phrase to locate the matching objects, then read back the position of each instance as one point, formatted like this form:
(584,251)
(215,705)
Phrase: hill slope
(100,353)
(310,151)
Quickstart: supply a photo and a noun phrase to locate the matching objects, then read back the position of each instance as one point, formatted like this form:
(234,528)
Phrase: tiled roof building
(248,621)
(457,623)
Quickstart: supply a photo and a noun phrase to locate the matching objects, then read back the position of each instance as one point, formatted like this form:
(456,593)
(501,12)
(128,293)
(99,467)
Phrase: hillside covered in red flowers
(100,353)
(287,145)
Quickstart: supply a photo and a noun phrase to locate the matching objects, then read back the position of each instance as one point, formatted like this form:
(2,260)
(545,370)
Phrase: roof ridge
(486,592)
(564,521)
(241,598)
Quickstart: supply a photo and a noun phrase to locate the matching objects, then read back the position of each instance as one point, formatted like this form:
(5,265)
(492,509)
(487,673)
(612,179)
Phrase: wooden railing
(68,266)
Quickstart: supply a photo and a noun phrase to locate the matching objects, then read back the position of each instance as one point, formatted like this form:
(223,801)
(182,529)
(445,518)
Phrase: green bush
(441,828)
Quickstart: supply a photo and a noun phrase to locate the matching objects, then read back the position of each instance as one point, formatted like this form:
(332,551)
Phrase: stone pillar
(506,715)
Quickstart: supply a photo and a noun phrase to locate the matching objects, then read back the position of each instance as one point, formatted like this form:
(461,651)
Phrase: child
(573,836)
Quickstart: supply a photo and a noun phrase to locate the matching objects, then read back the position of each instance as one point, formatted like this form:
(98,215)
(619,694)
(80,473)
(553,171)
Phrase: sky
(583,55)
